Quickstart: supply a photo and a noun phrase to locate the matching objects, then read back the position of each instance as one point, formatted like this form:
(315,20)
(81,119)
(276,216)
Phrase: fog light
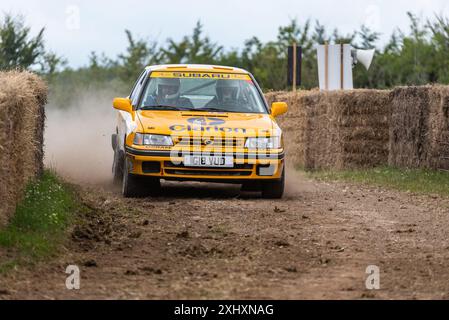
(151,167)
(265,170)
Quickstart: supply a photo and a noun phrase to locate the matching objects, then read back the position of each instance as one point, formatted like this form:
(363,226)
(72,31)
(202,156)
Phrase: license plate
(209,161)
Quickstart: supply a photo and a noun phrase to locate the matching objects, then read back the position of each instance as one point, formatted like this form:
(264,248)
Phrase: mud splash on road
(78,138)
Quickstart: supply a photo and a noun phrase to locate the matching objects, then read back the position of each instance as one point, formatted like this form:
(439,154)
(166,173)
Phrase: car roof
(196,68)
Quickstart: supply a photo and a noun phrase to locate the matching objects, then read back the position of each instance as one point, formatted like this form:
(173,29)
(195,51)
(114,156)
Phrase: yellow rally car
(197,123)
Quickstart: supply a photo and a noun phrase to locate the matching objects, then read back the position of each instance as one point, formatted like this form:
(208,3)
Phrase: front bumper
(169,165)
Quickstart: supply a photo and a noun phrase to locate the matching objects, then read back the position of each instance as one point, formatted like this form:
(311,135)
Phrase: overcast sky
(74,28)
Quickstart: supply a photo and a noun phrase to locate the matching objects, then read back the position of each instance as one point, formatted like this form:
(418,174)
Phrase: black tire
(114,141)
(153,186)
(117,167)
(274,189)
(131,184)
(135,186)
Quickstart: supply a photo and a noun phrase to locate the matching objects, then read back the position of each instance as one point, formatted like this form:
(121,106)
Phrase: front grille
(246,166)
(210,142)
(208,172)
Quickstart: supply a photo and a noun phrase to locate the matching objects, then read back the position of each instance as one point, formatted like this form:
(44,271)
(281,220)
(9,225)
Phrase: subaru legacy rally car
(197,123)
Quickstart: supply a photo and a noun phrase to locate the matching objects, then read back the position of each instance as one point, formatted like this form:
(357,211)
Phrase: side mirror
(123,104)
(278,108)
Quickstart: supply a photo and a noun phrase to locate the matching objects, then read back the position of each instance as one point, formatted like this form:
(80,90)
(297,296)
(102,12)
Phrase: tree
(416,56)
(139,54)
(368,37)
(17,48)
(439,29)
(320,36)
(293,32)
(50,63)
(192,49)
(269,65)
(338,38)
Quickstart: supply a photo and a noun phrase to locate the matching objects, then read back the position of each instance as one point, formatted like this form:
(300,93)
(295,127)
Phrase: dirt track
(206,242)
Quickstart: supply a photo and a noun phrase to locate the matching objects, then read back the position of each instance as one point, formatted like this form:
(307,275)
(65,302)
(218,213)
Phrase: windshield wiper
(212,109)
(164,107)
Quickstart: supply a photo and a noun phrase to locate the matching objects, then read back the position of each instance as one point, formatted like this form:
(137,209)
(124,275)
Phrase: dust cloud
(78,138)
(297,183)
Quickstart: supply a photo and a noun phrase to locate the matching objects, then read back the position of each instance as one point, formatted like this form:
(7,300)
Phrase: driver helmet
(227,90)
(168,89)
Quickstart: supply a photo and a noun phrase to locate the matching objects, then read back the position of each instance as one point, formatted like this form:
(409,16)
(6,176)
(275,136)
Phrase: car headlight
(152,140)
(263,143)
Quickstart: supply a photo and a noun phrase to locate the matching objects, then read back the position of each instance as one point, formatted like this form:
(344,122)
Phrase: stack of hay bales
(419,133)
(347,129)
(22,99)
(293,123)
(438,157)
(336,130)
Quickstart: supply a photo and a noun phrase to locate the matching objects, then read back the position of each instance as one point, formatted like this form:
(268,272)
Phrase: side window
(136,87)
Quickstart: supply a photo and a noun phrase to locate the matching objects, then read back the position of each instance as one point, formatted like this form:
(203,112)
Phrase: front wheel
(117,167)
(135,186)
(274,189)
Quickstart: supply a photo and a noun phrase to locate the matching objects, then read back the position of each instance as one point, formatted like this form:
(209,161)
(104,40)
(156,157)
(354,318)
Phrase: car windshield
(214,92)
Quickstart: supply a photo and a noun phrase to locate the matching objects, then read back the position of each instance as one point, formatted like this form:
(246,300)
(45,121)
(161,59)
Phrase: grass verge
(38,227)
(412,180)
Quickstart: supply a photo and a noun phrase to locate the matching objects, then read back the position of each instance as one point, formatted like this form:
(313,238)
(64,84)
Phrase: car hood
(189,123)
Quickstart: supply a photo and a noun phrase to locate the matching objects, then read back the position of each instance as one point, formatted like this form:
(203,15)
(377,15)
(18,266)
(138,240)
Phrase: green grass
(38,227)
(412,180)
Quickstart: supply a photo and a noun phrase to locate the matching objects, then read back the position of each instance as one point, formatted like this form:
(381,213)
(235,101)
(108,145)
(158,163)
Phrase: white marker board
(335,73)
